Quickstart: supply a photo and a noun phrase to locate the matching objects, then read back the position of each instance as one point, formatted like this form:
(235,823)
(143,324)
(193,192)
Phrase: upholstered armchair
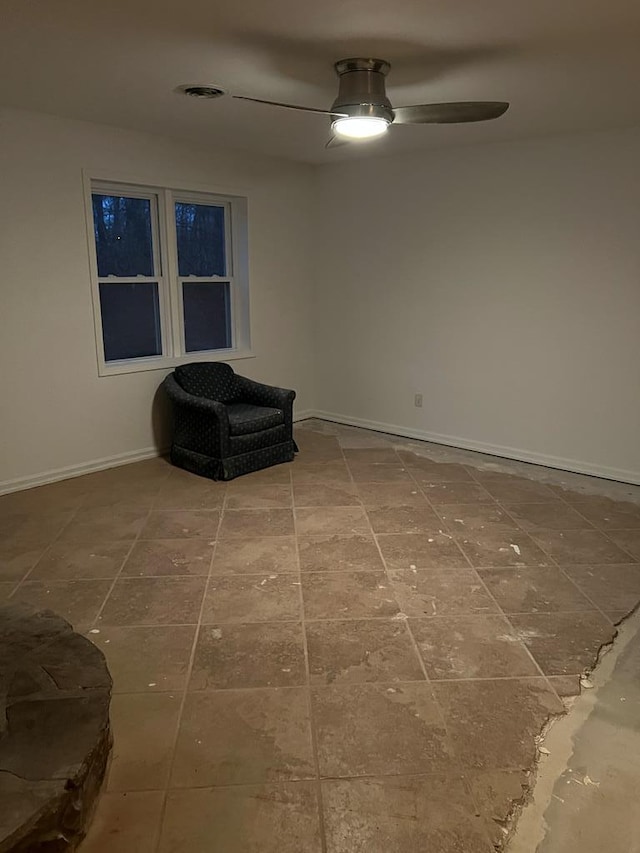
(226,425)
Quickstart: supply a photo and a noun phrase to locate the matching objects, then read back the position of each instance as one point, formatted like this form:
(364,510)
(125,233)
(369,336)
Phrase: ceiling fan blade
(450,113)
(336,141)
(290,106)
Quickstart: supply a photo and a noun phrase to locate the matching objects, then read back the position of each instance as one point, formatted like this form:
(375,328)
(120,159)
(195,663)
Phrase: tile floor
(350,653)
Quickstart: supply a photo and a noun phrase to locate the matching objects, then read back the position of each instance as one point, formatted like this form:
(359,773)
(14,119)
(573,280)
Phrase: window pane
(130,320)
(122,229)
(201,239)
(207,316)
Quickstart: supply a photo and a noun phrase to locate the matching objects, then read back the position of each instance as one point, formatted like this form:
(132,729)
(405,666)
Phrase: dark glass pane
(207,316)
(130,320)
(122,228)
(201,243)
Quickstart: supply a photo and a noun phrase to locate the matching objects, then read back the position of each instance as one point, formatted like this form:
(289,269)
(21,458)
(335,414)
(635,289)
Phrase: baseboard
(303,415)
(70,471)
(574,465)
(52,476)
(620,475)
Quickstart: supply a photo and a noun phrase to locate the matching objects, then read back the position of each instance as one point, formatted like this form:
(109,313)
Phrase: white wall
(56,411)
(503,283)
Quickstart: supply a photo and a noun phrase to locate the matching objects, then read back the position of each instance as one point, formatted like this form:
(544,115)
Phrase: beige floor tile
(391,494)
(610,587)
(258,736)
(495,793)
(497,546)
(154,601)
(277,818)
(126,823)
(551,515)
(375,472)
(370,729)
(512,489)
(275,474)
(462,518)
(509,713)
(252,598)
(628,541)
(325,495)
(256,523)
(192,493)
(421,551)
(260,655)
(169,557)
(436,472)
(605,513)
(534,590)
(571,547)
(272,555)
(441,494)
(354,652)
(67,561)
(323,520)
(6,588)
(408,814)
(144,730)
(181,524)
(471,647)
(258,495)
(104,524)
(403,519)
(17,558)
(348,595)
(147,659)
(37,528)
(339,553)
(440,592)
(563,643)
(369,455)
(77,601)
(65,496)
(320,473)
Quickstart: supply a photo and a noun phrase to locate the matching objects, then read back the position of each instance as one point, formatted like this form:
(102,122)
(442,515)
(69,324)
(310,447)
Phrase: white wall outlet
(417,401)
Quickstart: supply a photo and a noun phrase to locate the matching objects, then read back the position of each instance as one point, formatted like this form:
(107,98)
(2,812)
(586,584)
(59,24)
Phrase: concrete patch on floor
(585,795)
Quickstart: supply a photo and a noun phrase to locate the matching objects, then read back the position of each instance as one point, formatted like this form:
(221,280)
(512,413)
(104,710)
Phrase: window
(169,276)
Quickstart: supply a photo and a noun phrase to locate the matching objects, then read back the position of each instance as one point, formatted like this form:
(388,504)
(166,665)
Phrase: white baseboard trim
(303,415)
(575,465)
(70,471)
(54,475)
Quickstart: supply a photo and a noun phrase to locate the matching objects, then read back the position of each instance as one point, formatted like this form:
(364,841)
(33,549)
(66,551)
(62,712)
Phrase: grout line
(185,692)
(312,722)
(416,649)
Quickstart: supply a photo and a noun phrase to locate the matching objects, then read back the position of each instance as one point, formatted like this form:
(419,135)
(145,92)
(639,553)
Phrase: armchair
(226,425)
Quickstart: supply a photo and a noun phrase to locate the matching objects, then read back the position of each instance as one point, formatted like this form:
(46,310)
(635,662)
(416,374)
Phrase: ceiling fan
(363,111)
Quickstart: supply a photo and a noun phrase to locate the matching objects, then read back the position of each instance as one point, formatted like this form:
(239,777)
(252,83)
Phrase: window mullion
(177,333)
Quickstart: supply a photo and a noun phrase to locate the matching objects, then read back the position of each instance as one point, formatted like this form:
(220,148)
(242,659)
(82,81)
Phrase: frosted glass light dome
(360,127)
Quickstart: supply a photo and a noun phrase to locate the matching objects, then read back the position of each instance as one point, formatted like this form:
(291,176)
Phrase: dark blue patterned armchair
(226,425)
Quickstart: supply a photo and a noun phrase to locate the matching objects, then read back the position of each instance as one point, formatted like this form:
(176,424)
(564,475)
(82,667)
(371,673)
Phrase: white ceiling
(565,65)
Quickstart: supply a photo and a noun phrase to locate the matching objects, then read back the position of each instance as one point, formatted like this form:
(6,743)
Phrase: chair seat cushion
(245,418)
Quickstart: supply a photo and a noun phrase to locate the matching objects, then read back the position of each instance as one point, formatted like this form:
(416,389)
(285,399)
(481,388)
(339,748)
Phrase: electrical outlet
(417,401)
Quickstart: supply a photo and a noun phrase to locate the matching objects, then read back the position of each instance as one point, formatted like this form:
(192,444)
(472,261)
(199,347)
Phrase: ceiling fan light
(360,127)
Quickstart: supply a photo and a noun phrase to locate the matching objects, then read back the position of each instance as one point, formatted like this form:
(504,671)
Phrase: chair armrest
(180,397)
(265,395)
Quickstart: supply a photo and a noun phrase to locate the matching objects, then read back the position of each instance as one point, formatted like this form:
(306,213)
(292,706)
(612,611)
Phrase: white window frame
(170,283)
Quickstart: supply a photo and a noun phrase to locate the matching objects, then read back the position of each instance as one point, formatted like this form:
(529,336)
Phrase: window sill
(162,363)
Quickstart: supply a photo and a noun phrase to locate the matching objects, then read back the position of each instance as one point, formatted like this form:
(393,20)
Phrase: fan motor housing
(361,90)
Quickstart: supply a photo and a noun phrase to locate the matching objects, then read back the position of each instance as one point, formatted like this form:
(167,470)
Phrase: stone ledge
(55,739)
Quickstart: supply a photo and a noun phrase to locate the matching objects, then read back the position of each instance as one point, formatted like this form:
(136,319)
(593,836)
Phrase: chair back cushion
(211,379)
